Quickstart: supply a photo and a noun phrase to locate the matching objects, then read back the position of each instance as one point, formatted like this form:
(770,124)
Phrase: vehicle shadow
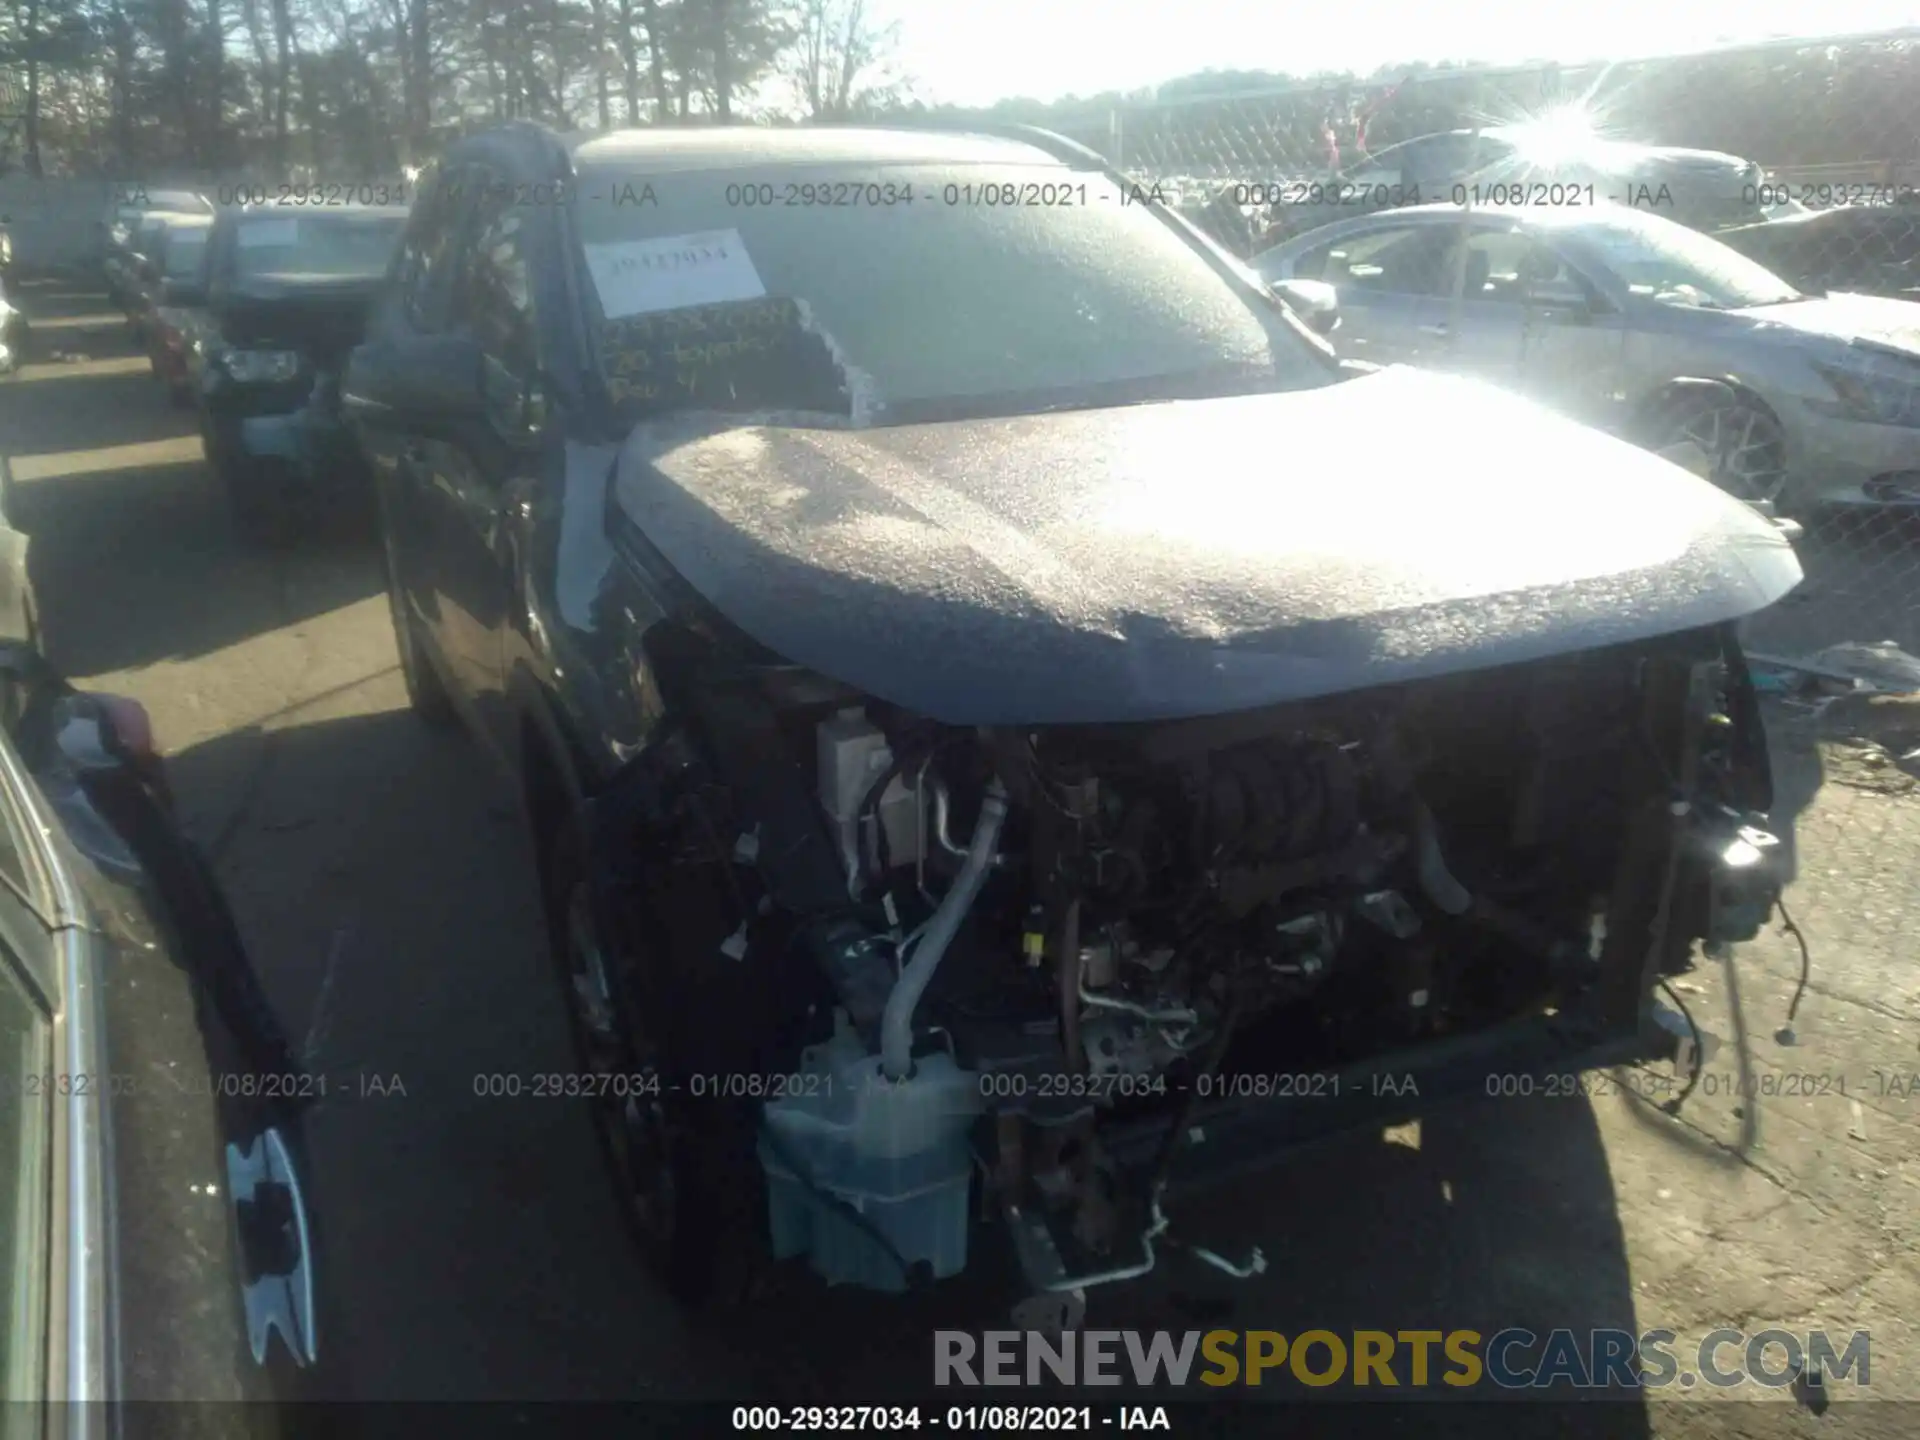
(385,894)
(136,566)
(69,423)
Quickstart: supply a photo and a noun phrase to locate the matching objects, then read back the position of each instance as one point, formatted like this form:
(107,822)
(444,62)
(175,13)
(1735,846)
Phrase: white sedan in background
(1642,327)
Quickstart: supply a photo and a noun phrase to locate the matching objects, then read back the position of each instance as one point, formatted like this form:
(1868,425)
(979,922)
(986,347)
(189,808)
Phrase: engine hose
(896,1023)
(1435,878)
(1068,974)
(1176,1131)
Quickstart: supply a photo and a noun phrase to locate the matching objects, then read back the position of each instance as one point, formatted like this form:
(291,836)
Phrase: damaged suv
(1011,725)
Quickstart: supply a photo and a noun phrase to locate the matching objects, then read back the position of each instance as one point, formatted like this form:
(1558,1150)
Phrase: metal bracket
(282,1301)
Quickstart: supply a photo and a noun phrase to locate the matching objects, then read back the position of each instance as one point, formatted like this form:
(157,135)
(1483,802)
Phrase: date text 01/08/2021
(953,1419)
(236,1085)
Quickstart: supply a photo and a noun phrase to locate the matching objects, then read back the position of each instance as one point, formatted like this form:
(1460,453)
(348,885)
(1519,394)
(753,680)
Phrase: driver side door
(404,457)
(1573,341)
(484,473)
(1527,320)
(1390,281)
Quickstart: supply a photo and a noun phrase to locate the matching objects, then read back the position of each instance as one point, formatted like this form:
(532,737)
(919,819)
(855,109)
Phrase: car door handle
(1442,330)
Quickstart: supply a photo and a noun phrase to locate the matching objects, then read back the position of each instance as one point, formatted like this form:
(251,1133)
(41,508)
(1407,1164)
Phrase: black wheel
(257,500)
(683,1168)
(426,693)
(255,494)
(1728,438)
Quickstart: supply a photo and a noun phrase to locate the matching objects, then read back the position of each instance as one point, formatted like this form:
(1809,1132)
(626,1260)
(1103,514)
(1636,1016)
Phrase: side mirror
(1314,301)
(429,382)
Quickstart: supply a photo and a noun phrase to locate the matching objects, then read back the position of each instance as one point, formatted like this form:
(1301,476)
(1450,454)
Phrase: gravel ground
(383,884)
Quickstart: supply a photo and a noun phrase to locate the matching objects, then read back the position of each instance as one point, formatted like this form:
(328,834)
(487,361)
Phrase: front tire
(254,495)
(683,1170)
(1728,438)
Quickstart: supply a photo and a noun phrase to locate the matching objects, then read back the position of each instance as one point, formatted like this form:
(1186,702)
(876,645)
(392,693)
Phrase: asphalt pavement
(385,889)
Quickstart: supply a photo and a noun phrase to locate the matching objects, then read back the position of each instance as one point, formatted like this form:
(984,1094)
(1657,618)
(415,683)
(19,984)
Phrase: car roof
(1546,217)
(277,207)
(735,147)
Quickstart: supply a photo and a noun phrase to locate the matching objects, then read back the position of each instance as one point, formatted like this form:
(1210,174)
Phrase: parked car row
(246,316)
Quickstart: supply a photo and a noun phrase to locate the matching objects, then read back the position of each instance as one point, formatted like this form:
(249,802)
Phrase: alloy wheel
(1740,445)
(627,1090)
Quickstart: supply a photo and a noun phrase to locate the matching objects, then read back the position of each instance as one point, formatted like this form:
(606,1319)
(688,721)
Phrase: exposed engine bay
(1051,959)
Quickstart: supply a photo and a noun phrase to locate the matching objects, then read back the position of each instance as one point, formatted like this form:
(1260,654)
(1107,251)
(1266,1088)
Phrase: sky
(973,52)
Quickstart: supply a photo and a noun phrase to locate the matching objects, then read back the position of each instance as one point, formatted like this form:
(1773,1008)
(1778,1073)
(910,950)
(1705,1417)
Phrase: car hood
(1867,322)
(1191,558)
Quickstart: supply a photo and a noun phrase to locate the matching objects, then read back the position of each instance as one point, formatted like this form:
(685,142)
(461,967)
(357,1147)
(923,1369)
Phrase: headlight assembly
(260,367)
(1883,396)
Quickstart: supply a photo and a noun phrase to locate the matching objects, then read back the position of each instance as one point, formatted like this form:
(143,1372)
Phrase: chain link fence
(1812,169)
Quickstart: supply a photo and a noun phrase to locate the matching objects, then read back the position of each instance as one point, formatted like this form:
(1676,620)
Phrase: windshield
(185,250)
(995,289)
(330,247)
(1677,266)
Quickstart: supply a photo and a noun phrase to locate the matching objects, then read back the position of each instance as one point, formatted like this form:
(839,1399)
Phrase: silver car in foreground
(1642,327)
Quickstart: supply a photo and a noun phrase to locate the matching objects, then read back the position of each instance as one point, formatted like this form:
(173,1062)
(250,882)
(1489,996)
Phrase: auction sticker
(676,272)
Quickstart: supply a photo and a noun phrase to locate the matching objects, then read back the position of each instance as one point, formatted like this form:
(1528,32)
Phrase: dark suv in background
(287,291)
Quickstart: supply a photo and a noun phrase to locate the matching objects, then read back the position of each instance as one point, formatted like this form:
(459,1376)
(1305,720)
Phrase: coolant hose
(1435,878)
(896,1022)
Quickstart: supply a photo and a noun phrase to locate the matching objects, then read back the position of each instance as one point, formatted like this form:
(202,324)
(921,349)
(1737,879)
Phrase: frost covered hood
(1864,321)
(1198,557)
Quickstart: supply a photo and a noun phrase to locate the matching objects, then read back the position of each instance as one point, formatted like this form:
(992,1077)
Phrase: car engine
(1044,955)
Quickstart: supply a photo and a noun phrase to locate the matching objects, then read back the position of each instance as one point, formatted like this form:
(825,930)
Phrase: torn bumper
(310,446)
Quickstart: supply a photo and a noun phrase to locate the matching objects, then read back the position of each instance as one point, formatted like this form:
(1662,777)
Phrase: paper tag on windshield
(639,277)
(263,234)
